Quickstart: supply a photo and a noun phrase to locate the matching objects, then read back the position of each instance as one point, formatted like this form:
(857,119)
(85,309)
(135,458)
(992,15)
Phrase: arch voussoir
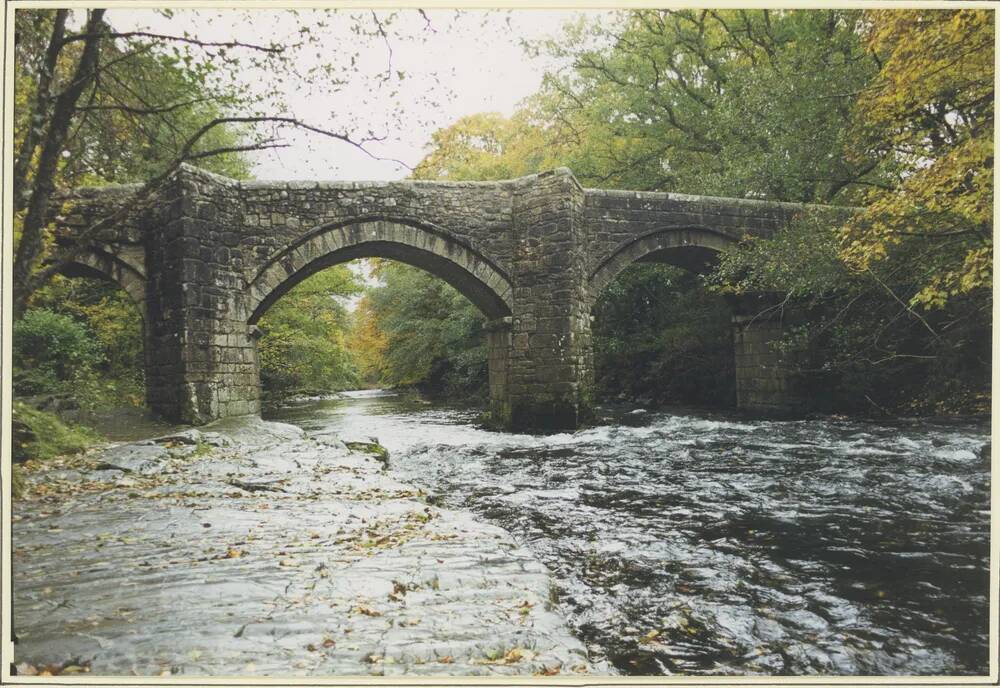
(460,265)
(97,263)
(637,249)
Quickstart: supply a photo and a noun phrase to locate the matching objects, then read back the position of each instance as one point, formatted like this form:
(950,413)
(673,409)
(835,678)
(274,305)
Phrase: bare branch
(182,39)
(427,20)
(263,145)
(385,37)
(152,110)
(903,303)
(145,193)
(30,247)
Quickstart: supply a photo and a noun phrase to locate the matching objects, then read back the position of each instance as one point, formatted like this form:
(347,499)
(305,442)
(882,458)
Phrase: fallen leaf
(367,611)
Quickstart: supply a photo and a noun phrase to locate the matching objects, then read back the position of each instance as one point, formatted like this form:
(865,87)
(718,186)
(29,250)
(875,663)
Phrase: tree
(931,112)
(901,293)
(102,105)
(433,336)
(661,337)
(112,325)
(487,146)
(304,345)
(368,343)
(745,103)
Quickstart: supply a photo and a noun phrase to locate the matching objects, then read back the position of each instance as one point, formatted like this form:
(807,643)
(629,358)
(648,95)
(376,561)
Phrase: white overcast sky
(475,56)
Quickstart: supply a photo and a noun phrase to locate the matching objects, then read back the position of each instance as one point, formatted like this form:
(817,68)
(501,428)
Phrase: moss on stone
(373,448)
(45,438)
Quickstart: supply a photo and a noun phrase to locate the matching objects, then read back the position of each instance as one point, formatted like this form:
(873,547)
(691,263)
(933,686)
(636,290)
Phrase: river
(700,543)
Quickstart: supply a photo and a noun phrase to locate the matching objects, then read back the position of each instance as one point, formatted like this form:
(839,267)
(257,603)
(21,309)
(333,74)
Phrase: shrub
(50,350)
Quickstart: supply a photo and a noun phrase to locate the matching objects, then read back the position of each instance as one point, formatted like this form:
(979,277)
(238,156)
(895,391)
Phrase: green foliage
(116,144)
(746,103)
(304,346)
(433,335)
(900,293)
(113,326)
(487,146)
(51,352)
(368,344)
(801,260)
(44,436)
(107,312)
(660,335)
(931,110)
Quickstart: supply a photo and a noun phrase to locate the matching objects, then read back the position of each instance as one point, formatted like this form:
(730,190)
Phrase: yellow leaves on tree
(368,343)
(931,112)
(487,146)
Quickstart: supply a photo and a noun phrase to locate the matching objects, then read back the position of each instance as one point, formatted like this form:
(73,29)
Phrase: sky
(453,64)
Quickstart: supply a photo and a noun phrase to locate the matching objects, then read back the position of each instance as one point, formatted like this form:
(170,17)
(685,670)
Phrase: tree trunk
(36,123)
(30,247)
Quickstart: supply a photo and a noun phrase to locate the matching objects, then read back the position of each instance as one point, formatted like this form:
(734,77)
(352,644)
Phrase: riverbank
(252,548)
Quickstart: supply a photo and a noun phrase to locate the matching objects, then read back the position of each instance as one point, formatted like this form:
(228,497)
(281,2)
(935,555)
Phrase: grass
(52,438)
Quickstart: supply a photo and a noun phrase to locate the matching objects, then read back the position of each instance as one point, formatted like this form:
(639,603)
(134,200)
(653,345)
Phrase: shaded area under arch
(692,248)
(99,264)
(467,271)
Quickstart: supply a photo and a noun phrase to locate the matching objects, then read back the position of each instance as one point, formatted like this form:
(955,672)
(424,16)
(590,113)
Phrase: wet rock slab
(253,549)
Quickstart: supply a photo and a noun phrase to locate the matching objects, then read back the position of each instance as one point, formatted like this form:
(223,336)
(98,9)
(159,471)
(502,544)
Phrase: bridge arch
(692,248)
(469,271)
(100,264)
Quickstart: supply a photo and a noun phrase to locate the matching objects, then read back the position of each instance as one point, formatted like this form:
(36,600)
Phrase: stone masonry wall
(617,218)
(203,359)
(762,381)
(277,215)
(550,377)
(532,253)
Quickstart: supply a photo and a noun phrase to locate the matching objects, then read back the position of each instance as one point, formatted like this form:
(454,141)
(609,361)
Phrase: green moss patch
(48,436)
(373,448)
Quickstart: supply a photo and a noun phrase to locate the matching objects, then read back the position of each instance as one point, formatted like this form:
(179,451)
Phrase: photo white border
(6,241)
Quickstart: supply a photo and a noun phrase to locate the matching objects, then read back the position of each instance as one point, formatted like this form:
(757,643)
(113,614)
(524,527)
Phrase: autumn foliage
(930,112)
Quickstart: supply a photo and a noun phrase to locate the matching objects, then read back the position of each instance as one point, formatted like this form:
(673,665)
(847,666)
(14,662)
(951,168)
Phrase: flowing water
(694,543)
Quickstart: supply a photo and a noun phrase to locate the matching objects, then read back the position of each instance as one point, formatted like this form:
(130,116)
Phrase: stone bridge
(207,258)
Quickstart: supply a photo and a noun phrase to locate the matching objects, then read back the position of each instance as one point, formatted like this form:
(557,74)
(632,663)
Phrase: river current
(699,543)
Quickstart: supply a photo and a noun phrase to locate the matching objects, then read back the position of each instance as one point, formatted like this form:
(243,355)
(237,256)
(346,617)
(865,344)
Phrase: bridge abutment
(498,341)
(765,373)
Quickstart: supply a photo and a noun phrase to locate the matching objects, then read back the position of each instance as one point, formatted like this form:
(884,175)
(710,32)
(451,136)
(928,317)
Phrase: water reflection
(692,543)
